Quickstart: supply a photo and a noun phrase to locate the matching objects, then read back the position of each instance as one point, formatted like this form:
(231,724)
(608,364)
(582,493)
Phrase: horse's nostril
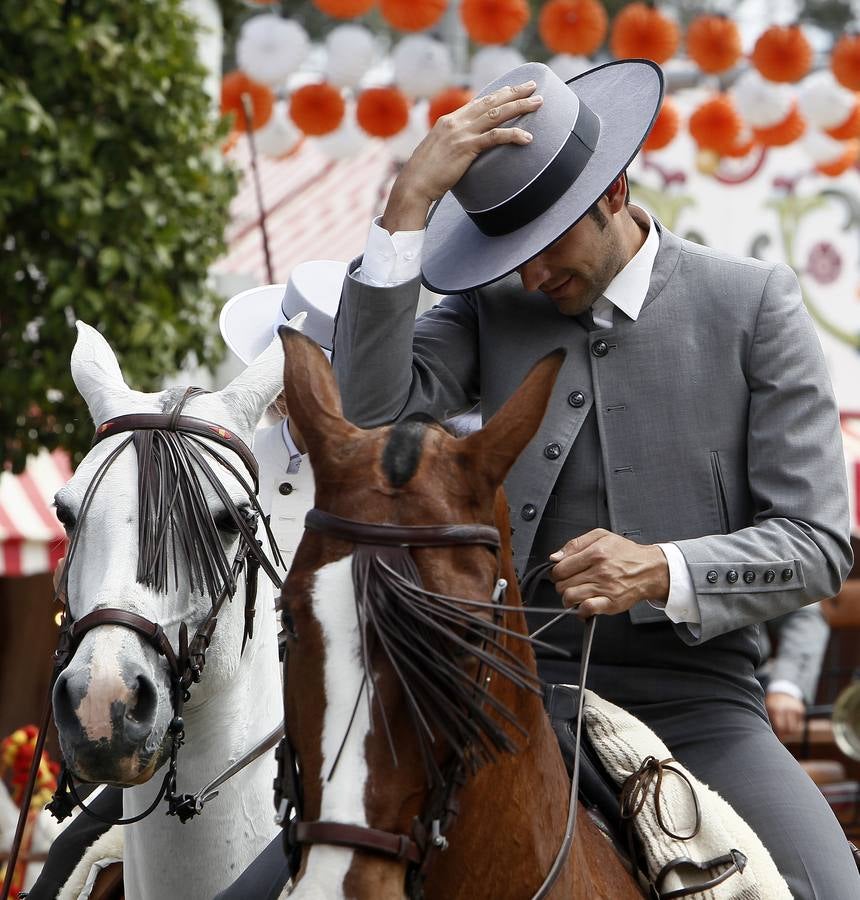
(66,698)
(143,707)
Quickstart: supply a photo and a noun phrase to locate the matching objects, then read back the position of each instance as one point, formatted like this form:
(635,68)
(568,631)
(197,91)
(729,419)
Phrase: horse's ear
(96,372)
(251,391)
(497,445)
(311,392)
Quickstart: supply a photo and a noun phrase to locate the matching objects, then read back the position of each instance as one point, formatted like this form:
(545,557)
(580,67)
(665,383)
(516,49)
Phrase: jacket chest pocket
(720,495)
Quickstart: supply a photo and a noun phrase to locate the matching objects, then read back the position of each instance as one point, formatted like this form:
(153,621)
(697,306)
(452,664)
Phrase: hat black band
(553,181)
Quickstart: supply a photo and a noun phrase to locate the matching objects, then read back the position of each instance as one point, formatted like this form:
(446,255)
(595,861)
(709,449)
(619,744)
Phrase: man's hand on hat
(602,573)
(450,147)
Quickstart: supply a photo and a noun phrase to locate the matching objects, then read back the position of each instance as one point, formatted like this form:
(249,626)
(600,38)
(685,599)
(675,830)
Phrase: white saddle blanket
(623,742)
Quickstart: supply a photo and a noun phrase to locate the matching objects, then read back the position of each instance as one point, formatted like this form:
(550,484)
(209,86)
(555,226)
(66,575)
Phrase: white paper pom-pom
(821,148)
(823,101)
(271,48)
(279,135)
(404,142)
(760,102)
(351,51)
(567,66)
(489,63)
(347,141)
(422,66)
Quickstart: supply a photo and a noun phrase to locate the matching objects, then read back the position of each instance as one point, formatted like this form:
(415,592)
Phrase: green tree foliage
(113,203)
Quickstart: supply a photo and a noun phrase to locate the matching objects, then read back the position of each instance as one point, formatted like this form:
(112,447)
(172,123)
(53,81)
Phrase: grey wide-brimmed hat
(515,200)
(249,320)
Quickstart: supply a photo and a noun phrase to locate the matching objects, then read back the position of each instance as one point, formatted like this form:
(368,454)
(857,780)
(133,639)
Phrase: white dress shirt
(391,259)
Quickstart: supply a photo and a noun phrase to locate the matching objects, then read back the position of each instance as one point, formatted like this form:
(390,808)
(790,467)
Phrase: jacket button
(769,576)
(731,576)
(285,488)
(749,576)
(600,348)
(576,399)
(787,574)
(712,576)
(528,512)
(552,451)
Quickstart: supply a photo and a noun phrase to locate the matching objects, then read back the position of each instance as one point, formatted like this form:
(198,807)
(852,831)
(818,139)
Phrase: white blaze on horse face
(333,598)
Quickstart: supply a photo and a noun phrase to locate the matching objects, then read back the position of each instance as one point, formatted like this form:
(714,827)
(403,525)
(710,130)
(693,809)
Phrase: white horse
(113,704)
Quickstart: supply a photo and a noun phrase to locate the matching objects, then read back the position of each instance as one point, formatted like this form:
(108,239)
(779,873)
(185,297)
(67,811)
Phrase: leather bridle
(428,831)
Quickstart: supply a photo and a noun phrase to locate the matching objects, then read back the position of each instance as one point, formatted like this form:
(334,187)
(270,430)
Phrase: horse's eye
(66,516)
(225,521)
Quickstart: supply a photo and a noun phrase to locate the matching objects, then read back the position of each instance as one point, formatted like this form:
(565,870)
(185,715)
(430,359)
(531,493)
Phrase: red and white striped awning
(31,538)
(316,208)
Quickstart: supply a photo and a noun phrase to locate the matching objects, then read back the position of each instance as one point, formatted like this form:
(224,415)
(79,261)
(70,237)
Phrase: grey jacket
(718,424)
(801,636)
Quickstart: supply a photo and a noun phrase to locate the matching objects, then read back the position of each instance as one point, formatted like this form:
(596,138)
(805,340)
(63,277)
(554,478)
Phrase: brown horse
(415,713)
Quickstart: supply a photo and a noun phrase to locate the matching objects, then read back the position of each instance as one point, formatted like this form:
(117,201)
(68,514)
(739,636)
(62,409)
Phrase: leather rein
(429,831)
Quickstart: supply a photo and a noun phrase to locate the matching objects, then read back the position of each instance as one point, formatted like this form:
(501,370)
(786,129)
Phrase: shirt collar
(628,289)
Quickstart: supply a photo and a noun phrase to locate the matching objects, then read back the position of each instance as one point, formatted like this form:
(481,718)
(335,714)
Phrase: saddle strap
(396,846)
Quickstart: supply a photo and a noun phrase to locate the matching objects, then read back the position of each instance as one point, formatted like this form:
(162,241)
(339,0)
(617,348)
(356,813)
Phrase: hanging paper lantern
(640,30)
(665,127)
(271,48)
(317,108)
(845,161)
(494,21)
(784,132)
(382,111)
(782,53)
(744,143)
(403,144)
(716,125)
(235,86)
(279,137)
(577,27)
(848,129)
(347,141)
(761,103)
(566,66)
(489,63)
(412,15)
(821,148)
(350,52)
(344,9)
(714,43)
(823,102)
(422,65)
(845,61)
(446,102)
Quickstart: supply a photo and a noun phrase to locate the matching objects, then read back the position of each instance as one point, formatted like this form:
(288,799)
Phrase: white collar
(628,289)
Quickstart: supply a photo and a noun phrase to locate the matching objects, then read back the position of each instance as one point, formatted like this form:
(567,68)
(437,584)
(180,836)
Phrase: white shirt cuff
(682,605)
(390,259)
(781,686)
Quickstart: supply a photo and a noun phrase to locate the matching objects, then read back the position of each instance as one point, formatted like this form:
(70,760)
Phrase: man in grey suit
(687,479)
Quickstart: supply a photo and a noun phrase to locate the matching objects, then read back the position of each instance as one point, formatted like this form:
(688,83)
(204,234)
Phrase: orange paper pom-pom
(412,15)
(782,53)
(784,132)
(848,129)
(446,102)
(714,43)
(317,108)
(845,61)
(573,26)
(344,9)
(665,127)
(235,86)
(640,30)
(716,125)
(382,111)
(494,21)
(843,163)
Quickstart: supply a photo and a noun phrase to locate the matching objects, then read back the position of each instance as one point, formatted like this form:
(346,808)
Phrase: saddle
(677,837)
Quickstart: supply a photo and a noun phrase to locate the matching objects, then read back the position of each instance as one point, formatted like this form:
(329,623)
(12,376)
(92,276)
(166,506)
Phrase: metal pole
(258,190)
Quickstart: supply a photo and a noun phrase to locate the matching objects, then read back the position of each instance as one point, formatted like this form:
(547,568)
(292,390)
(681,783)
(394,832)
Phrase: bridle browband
(428,831)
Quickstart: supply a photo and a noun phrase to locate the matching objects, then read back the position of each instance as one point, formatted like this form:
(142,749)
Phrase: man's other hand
(786,713)
(603,573)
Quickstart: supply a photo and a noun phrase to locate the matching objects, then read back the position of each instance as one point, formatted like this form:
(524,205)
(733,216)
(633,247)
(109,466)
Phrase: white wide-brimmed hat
(250,320)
